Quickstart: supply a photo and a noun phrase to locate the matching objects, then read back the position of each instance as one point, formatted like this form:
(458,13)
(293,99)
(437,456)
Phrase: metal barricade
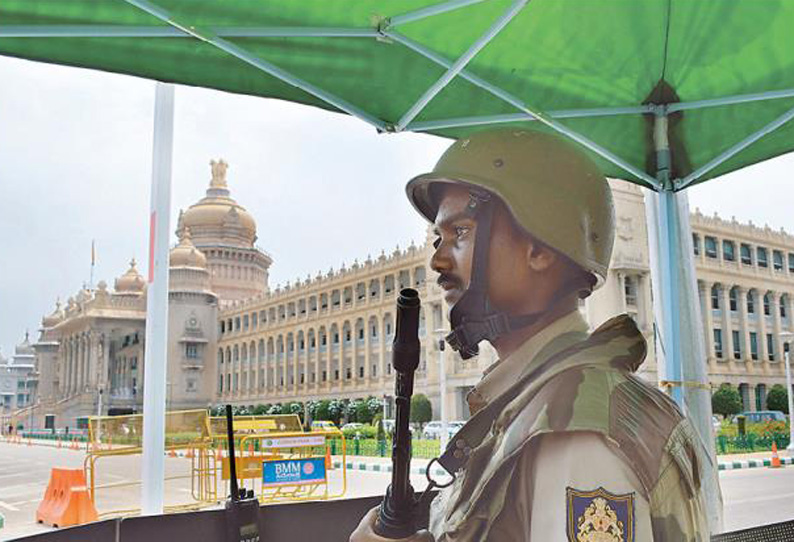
(290,466)
(187,436)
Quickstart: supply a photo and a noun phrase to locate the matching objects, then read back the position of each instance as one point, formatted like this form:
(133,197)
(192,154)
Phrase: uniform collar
(502,374)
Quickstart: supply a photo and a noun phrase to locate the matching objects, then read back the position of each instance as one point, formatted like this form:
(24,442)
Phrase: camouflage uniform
(586,452)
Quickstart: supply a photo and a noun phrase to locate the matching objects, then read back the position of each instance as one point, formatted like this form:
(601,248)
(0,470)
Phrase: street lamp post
(787,339)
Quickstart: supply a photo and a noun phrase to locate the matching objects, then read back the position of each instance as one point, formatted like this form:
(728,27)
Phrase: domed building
(192,325)
(131,282)
(226,234)
(18,380)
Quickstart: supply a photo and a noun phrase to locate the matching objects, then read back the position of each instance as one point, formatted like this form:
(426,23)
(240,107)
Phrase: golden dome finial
(184,237)
(218,173)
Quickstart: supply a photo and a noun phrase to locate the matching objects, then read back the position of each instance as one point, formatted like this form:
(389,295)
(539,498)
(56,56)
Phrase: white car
(352,426)
(432,430)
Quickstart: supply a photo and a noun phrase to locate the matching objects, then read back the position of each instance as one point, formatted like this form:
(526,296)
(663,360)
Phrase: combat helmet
(554,191)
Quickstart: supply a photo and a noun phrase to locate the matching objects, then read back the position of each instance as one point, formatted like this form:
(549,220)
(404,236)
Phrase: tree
(777,399)
(323,411)
(421,410)
(726,400)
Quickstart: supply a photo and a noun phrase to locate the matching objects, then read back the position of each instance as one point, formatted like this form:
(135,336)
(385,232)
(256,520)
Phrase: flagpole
(93,261)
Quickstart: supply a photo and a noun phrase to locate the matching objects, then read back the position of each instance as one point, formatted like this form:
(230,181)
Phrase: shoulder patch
(599,516)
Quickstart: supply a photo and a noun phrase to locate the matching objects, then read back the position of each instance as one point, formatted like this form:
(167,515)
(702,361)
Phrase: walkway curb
(752,463)
(377,467)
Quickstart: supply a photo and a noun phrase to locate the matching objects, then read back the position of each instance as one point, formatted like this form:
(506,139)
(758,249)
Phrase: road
(25,471)
(751,496)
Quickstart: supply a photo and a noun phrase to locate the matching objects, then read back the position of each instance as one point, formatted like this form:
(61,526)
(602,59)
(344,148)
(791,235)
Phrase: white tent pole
(458,66)
(156,348)
(735,149)
(431,11)
(681,354)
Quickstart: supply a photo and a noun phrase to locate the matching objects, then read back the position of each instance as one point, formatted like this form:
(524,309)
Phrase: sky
(324,188)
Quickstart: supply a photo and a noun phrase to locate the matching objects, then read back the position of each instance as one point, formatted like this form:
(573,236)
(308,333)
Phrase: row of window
(232,380)
(321,303)
(311,340)
(752,297)
(736,341)
(748,254)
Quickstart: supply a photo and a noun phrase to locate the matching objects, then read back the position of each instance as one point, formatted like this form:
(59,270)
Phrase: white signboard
(293,442)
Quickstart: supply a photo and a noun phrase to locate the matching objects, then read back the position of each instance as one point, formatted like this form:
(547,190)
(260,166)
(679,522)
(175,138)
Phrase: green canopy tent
(662,93)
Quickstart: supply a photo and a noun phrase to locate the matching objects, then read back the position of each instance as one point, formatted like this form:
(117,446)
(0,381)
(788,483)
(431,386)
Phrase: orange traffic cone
(328,463)
(219,455)
(250,448)
(190,454)
(775,464)
(171,453)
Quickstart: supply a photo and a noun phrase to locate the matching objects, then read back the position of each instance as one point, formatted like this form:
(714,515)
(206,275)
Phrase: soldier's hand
(365,532)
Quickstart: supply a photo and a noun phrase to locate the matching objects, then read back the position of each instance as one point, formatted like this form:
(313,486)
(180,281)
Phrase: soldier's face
(456,230)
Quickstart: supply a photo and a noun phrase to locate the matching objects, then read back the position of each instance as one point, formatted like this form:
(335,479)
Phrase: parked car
(433,430)
(352,426)
(323,425)
(761,416)
(454,427)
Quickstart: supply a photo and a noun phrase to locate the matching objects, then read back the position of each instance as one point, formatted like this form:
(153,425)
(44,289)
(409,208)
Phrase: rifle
(397,517)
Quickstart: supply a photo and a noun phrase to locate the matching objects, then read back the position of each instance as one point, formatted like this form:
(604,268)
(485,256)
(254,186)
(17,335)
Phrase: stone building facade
(90,353)
(233,339)
(330,336)
(746,287)
(18,382)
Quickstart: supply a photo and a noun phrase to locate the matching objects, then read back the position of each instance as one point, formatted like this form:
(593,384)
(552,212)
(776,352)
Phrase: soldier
(564,443)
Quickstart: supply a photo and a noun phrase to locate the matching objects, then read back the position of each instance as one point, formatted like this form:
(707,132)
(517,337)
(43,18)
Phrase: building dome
(130,282)
(24,348)
(217,216)
(185,254)
(53,319)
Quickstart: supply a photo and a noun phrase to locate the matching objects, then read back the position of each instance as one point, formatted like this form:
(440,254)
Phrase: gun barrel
(396,518)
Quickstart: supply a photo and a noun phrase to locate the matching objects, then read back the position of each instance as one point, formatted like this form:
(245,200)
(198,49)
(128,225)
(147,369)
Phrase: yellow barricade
(187,434)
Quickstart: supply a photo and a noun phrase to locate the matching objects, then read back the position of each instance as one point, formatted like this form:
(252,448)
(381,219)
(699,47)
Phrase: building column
(382,338)
(776,341)
(762,350)
(72,359)
(727,325)
(367,349)
(704,289)
(745,327)
(622,291)
(789,309)
(295,364)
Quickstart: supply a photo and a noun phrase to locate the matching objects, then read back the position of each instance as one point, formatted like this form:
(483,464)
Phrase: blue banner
(293,471)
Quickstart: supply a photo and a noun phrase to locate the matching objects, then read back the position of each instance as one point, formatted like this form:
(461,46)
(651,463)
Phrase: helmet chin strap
(473,319)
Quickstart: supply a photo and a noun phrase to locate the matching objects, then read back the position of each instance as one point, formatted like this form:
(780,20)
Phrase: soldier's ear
(540,258)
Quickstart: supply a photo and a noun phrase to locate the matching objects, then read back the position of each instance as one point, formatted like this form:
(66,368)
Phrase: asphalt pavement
(751,497)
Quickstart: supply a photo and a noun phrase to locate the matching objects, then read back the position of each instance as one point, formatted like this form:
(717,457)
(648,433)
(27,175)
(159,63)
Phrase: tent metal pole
(263,65)
(130,31)
(731,100)
(461,63)
(156,347)
(520,105)
(525,117)
(735,149)
(424,13)
(681,356)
